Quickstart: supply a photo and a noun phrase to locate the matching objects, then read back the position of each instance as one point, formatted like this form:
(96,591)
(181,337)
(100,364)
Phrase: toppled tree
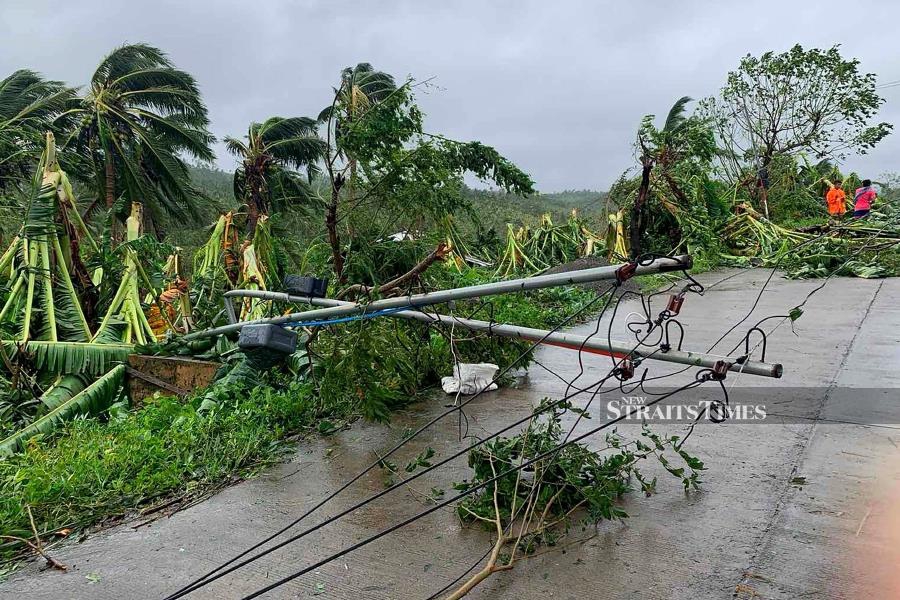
(813,100)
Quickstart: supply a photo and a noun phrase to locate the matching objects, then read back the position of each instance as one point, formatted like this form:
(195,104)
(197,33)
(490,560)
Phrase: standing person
(862,201)
(836,199)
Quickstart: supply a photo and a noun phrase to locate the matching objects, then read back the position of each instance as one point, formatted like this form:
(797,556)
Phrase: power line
(612,372)
(210,576)
(552,452)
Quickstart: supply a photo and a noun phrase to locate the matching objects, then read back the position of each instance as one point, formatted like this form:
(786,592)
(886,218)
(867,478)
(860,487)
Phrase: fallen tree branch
(37,547)
(51,562)
(438,253)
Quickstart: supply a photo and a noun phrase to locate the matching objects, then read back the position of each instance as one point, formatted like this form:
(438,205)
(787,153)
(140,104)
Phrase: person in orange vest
(836,200)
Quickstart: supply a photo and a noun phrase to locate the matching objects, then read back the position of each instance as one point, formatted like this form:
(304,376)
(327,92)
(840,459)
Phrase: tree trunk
(256,206)
(252,219)
(110,182)
(636,227)
(150,225)
(331,224)
(762,183)
(764,200)
(114,230)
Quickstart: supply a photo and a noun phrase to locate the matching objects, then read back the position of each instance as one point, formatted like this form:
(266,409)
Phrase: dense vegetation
(126,246)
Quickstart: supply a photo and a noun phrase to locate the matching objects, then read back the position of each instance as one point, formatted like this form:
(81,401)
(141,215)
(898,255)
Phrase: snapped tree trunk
(762,183)
(636,227)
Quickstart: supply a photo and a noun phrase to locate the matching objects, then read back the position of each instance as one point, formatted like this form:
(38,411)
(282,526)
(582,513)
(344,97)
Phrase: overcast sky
(558,87)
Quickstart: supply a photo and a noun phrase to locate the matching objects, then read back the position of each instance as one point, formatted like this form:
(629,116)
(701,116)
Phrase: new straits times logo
(635,408)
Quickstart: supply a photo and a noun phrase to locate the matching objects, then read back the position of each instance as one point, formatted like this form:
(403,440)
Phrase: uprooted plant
(576,487)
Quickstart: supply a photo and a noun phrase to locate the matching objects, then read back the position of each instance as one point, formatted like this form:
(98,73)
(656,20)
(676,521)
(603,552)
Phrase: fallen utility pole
(566,340)
(659,265)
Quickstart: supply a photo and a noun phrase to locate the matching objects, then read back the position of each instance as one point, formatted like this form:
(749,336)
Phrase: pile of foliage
(572,489)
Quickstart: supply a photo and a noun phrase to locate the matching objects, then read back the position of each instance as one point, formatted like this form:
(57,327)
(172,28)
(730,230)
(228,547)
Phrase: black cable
(200,582)
(584,410)
(612,292)
(463,494)
(378,495)
(413,477)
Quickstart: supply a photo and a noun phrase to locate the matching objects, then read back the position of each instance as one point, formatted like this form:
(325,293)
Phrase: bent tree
(139,116)
(271,155)
(814,101)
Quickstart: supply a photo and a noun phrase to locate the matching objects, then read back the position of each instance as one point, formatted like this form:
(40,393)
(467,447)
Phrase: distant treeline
(492,209)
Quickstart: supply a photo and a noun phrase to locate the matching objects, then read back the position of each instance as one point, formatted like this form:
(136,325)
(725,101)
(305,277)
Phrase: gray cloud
(558,87)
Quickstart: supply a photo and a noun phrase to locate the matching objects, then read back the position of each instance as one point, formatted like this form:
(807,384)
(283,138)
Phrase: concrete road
(800,507)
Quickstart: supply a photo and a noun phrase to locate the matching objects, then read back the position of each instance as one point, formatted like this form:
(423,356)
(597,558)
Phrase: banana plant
(42,303)
(126,305)
(257,263)
(69,398)
(615,237)
(171,310)
(222,264)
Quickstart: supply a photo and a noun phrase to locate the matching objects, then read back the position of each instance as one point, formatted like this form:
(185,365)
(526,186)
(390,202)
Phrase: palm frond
(276,129)
(236,146)
(63,389)
(93,400)
(676,114)
(71,357)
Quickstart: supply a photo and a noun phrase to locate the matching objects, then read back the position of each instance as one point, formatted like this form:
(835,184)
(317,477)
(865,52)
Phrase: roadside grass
(92,471)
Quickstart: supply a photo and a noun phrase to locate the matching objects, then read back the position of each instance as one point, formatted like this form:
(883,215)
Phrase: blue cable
(336,320)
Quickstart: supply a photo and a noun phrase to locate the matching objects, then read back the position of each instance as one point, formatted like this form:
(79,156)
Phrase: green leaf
(72,357)
(93,400)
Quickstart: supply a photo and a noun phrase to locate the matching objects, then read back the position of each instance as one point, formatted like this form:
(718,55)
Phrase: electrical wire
(210,576)
(496,434)
(472,489)
(376,496)
(715,411)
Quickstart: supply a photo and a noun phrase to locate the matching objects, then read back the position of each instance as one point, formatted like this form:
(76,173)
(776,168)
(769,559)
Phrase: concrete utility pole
(553,338)
(659,265)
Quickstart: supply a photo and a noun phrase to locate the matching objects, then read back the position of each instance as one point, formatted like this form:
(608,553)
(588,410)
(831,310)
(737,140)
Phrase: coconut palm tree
(138,117)
(361,87)
(28,104)
(271,155)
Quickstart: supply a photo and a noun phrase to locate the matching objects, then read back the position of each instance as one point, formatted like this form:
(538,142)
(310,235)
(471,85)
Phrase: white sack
(468,379)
